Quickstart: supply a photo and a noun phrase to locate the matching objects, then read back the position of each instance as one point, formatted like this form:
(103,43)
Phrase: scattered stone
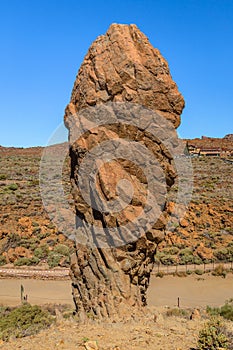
(91,345)
(195,315)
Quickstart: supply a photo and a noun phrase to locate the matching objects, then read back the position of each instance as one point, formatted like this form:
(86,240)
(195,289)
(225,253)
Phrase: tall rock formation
(110,278)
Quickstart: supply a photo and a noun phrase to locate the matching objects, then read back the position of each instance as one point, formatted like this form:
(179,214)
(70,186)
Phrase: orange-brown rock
(120,66)
(19,252)
(204,252)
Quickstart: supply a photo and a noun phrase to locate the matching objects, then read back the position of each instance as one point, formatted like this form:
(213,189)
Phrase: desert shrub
(12,187)
(222,254)
(213,336)
(62,249)
(198,272)
(197,260)
(2,177)
(30,243)
(165,258)
(42,251)
(54,259)
(168,260)
(57,259)
(27,261)
(186,256)
(226,311)
(176,312)
(219,271)
(2,260)
(23,321)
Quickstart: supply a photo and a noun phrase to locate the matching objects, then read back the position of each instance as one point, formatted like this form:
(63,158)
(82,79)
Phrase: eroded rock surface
(121,66)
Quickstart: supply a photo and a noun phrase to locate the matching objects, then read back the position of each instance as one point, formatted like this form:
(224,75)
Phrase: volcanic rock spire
(123,96)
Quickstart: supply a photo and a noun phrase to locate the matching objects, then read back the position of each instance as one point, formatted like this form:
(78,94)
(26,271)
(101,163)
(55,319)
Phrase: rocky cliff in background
(120,66)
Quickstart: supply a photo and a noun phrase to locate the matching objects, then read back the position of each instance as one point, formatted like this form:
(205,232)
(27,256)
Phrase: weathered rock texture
(120,66)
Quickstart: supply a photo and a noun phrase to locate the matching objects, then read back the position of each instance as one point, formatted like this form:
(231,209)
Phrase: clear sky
(43,43)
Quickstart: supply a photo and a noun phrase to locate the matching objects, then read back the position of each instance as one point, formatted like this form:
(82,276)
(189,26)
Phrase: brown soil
(171,333)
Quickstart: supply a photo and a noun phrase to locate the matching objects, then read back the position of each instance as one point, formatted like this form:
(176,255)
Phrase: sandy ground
(38,291)
(193,291)
(142,333)
(171,333)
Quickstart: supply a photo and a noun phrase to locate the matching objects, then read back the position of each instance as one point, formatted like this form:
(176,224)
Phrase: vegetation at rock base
(23,321)
(226,311)
(213,336)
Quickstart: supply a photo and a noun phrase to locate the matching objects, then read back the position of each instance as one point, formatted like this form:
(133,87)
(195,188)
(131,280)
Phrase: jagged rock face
(123,66)
(120,66)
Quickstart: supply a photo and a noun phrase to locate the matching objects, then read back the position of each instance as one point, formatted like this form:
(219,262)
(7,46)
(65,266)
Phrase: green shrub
(165,258)
(223,254)
(27,261)
(29,243)
(168,260)
(54,259)
(199,272)
(42,251)
(12,187)
(62,249)
(197,260)
(2,177)
(213,336)
(226,311)
(23,321)
(2,260)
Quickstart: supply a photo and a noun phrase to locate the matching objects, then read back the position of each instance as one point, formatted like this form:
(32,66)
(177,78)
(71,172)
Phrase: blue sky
(44,42)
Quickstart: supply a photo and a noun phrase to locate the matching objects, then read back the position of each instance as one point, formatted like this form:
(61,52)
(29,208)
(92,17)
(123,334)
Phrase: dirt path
(38,291)
(193,291)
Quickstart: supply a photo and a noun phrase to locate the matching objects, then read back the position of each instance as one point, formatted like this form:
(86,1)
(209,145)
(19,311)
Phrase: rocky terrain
(225,143)
(27,236)
(25,225)
(155,331)
(159,329)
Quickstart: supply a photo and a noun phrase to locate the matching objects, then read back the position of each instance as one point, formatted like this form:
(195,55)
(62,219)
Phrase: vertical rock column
(109,278)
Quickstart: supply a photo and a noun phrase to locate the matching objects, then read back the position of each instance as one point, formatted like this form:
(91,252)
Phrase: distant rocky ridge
(210,145)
